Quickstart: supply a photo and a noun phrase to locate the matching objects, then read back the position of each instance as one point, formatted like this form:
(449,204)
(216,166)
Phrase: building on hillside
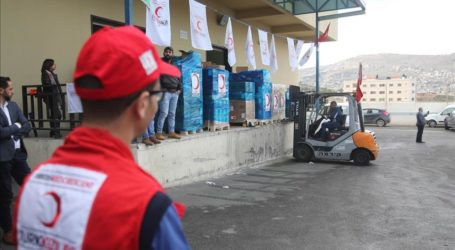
(390,89)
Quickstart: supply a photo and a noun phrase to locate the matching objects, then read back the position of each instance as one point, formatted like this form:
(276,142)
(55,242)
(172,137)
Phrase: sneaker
(8,238)
(160,137)
(154,140)
(173,135)
(147,142)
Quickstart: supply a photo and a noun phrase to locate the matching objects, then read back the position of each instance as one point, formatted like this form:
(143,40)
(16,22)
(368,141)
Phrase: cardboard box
(242,111)
(241,69)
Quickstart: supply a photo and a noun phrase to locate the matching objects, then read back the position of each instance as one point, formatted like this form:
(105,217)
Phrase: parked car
(434,120)
(380,117)
(449,122)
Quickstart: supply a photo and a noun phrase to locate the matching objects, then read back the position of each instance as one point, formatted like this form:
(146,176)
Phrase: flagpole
(317,48)
(128,12)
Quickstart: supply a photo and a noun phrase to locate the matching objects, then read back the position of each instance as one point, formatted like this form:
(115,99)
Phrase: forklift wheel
(303,153)
(361,157)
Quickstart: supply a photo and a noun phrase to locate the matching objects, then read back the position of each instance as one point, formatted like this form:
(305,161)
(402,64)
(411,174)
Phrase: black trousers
(419,133)
(18,169)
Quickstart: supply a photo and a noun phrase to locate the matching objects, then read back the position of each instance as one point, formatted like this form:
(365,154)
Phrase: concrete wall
(31,31)
(198,156)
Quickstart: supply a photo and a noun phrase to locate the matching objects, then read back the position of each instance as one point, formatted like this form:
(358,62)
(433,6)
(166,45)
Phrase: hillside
(430,73)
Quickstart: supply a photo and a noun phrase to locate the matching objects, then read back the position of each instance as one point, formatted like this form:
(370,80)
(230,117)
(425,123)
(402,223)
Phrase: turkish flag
(358,93)
(324,35)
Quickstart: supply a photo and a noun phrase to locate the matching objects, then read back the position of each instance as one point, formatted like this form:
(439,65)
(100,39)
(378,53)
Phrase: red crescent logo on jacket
(56,198)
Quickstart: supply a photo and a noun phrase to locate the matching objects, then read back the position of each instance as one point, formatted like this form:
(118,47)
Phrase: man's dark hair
(105,110)
(4,82)
(169,48)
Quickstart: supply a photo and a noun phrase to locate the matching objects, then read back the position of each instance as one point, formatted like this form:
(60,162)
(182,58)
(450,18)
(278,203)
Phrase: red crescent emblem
(157,11)
(267,100)
(223,81)
(197,80)
(198,23)
(230,41)
(57,201)
(275,98)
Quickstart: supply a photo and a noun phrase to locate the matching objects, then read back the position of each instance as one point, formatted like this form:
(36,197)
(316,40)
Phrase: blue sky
(420,27)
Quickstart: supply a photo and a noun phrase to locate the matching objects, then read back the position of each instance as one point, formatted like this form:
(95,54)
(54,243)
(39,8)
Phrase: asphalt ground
(403,200)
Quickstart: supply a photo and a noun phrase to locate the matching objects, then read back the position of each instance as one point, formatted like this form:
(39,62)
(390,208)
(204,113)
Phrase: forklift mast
(305,103)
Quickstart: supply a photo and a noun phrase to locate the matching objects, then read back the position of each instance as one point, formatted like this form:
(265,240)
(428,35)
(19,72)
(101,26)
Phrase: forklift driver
(334,120)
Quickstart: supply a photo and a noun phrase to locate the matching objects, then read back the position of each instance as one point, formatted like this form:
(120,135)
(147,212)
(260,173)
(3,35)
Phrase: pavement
(403,200)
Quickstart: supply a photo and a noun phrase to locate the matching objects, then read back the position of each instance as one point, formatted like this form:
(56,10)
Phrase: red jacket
(89,195)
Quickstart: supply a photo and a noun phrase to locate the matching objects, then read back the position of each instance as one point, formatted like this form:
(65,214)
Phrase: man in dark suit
(13,156)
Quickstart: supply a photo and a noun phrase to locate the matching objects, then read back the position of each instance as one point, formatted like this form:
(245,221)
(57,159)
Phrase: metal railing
(34,105)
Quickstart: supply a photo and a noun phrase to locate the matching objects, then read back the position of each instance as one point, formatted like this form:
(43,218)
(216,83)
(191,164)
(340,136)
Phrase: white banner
(158,22)
(73,100)
(229,43)
(200,38)
(299,49)
(292,54)
(264,47)
(273,59)
(249,49)
(306,56)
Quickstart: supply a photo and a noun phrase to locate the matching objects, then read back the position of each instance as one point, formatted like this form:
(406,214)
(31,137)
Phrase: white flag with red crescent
(200,38)
(158,22)
(229,43)
(264,47)
(273,58)
(249,49)
(306,56)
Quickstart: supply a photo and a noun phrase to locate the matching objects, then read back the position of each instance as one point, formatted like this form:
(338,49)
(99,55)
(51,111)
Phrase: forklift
(347,142)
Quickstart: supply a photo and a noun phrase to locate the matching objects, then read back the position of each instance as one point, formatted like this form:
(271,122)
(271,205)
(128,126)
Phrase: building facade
(31,31)
(384,90)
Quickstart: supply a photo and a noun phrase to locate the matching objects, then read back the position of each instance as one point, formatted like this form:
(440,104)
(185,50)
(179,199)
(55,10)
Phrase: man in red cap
(91,194)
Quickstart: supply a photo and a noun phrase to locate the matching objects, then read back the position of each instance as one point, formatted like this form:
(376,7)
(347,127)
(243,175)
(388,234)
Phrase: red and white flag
(158,22)
(229,43)
(200,38)
(358,93)
(249,49)
(273,58)
(306,56)
(264,47)
(325,35)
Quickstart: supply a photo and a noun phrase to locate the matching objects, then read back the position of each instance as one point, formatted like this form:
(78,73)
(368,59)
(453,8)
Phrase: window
(372,99)
(382,99)
(391,85)
(354,85)
(390,92)
(382,92)
(399,99)
(447,111)
(412,99)
(372,92)
(390,99)
(366,85)
(373,85)
(399,91)
(374,111)
(399,84)
(347,86)
(382,85)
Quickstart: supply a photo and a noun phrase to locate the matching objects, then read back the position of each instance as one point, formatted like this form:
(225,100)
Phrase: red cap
(123,59)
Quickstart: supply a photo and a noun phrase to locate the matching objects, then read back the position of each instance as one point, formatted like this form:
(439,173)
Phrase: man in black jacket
(13,156)
(168,104)
(420,125)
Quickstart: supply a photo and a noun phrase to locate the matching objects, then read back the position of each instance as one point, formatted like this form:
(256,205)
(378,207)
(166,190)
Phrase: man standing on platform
(168,104)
